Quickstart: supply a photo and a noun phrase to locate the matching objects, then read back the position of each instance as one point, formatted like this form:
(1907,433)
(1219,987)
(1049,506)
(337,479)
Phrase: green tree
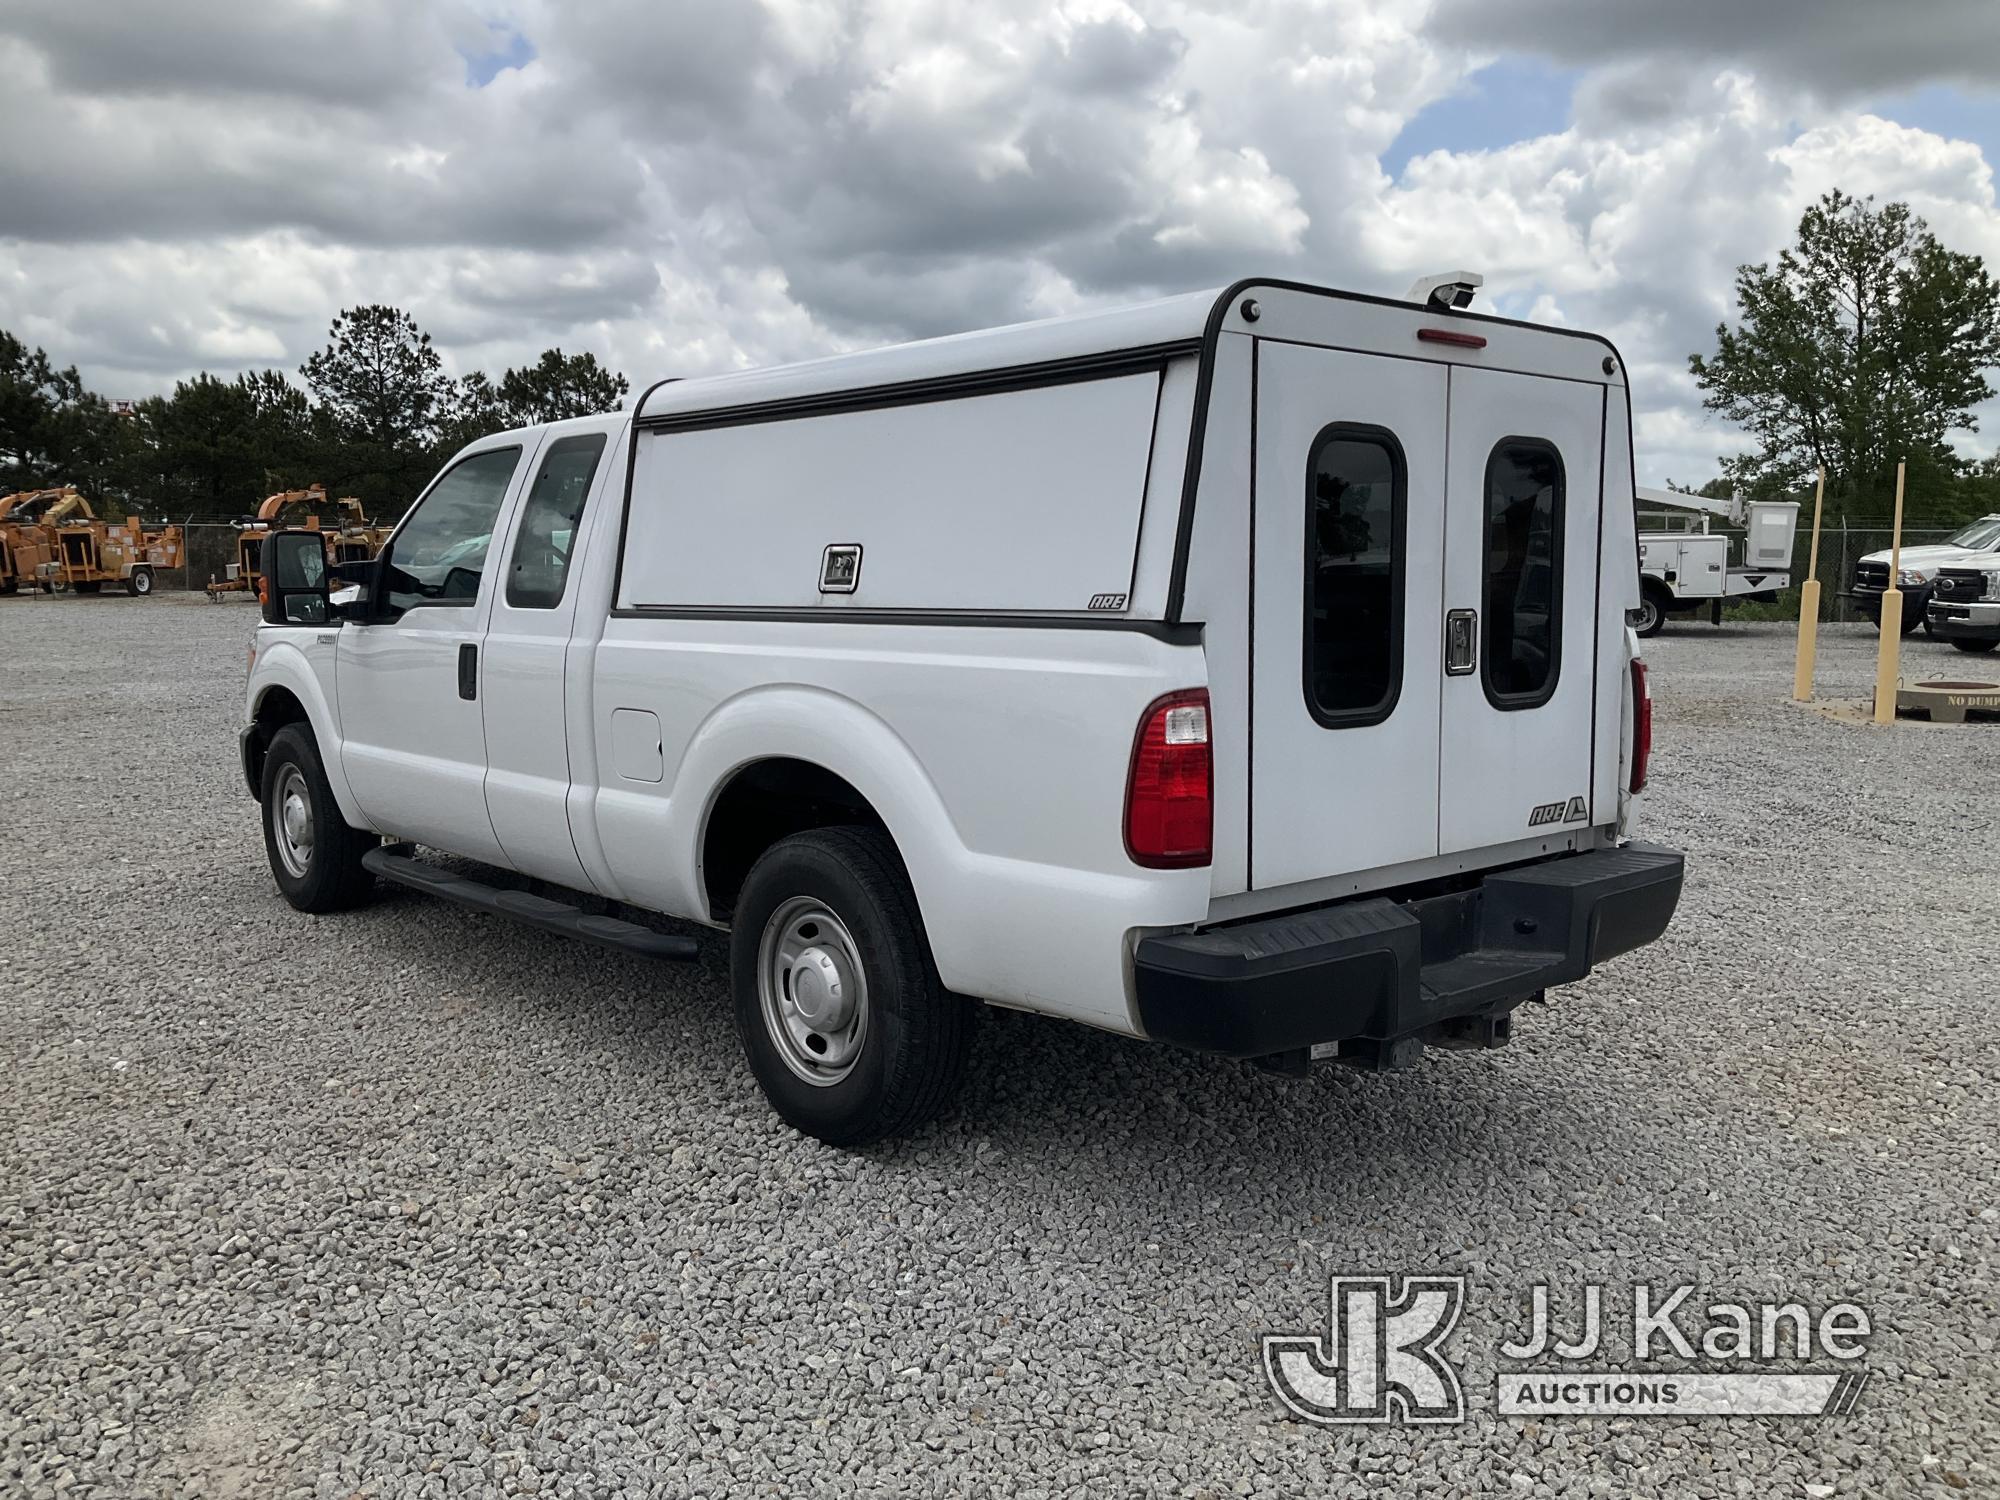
(381,395)
(475,410)
(40,413)
(1867,343)
(560,385)
(214,448)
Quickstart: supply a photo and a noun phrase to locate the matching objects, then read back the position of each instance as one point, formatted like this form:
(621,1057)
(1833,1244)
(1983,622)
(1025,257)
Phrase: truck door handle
(1461,642)
(468,670)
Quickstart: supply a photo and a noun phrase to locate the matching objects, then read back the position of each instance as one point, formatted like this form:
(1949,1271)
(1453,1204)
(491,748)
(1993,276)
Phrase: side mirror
(356,585)
(294,588)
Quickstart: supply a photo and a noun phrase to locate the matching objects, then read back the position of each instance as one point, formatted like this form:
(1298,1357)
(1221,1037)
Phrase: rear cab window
(546,538)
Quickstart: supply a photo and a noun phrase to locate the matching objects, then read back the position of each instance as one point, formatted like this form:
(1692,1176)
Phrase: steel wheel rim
(812,991)
(292,823)
(1649,614)
(142,583)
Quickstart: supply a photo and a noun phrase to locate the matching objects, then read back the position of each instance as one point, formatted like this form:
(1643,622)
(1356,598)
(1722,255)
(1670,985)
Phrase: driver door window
(439,555)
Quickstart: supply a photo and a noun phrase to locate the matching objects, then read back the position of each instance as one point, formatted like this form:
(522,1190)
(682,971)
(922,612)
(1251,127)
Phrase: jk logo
(1379,1360)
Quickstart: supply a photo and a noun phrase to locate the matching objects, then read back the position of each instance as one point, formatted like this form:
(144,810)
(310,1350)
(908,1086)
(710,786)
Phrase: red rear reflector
(1642,725)
(1452,336)
(1170,795)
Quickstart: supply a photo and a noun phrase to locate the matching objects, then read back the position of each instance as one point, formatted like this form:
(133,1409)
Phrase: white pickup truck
(1247,671)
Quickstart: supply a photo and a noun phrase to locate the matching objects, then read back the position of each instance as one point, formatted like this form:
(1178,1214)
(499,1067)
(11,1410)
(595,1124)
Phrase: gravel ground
(409,1202)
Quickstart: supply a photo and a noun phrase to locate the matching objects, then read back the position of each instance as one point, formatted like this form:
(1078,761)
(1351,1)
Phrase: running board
(536,911)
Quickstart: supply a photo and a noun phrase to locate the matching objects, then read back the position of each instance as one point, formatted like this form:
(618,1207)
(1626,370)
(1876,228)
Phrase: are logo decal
(1107,602)
(1574,810)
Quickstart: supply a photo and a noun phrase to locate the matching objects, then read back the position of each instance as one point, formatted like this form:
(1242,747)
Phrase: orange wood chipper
(26,543)
(90,553)
(353,540)
(52,539)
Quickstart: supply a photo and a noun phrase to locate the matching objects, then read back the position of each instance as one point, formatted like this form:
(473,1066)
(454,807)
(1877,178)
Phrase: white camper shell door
(1424,599)
(1346,609)
(1521,535)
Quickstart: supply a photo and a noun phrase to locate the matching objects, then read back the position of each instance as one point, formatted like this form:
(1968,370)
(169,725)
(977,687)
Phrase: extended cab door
(413,739)
(525,668)
(1523,507)
(1346,582)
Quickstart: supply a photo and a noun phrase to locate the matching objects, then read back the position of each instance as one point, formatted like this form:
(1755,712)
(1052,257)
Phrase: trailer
(1681,570)
(89,553)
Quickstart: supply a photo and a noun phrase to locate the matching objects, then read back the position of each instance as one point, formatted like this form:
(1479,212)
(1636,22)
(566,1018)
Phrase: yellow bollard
(1802,674)
(1889,656)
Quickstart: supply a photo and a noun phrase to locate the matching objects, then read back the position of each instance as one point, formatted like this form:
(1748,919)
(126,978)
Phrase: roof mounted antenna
(1446,293)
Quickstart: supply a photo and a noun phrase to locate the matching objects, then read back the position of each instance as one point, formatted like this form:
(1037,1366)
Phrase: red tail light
(1642,725)
(1170,798)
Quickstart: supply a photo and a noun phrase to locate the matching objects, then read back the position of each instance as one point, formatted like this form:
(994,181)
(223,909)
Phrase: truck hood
(1927,557)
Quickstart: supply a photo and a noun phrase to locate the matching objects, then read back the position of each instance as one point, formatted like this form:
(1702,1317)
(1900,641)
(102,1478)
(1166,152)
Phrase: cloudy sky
(691,185)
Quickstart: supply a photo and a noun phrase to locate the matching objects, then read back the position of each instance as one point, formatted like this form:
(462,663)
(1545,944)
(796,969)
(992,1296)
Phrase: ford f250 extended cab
(1247,671)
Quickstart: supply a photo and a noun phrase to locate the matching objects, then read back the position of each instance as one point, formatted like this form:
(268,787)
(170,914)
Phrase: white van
(1246,670)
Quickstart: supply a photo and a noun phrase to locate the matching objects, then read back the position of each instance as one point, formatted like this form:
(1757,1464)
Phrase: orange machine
(28,522)
(90,553)
(25,543)
(354,540)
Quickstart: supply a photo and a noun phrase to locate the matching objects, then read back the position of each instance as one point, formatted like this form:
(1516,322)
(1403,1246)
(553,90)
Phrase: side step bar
(537,911)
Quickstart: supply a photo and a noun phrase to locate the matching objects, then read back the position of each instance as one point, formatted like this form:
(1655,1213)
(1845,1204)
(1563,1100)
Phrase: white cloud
(718,183)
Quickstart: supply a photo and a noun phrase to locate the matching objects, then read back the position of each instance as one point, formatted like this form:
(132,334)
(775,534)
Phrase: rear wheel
(315,856)
(1651,614)
(140,583)
(88,586)
(843,1018)
(1977,648)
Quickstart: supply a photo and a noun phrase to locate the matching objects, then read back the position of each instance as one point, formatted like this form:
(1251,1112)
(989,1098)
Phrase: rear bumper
(1380,971)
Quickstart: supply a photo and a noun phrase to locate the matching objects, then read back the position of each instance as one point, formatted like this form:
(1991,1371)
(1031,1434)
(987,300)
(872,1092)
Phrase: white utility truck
(1682,570)
(1247,671)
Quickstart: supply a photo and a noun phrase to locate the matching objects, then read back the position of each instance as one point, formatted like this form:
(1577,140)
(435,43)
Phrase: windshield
(1981,536)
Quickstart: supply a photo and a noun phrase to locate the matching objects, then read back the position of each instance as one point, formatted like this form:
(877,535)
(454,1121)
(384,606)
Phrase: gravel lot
(409,1202)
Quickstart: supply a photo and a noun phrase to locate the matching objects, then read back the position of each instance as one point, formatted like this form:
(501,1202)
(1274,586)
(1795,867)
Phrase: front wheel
(841,1013)
(1977,648)
(315,856)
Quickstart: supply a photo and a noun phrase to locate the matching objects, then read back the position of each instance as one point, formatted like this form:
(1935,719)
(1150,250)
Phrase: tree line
(1866,344)
(372,414)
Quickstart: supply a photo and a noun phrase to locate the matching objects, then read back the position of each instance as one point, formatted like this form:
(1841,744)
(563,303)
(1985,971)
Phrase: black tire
(48,587)
(329,877)
(909,1055)
(10,586)
(1977,648)
(1651,615)
(1913,617)
(140,583)
(88,586)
